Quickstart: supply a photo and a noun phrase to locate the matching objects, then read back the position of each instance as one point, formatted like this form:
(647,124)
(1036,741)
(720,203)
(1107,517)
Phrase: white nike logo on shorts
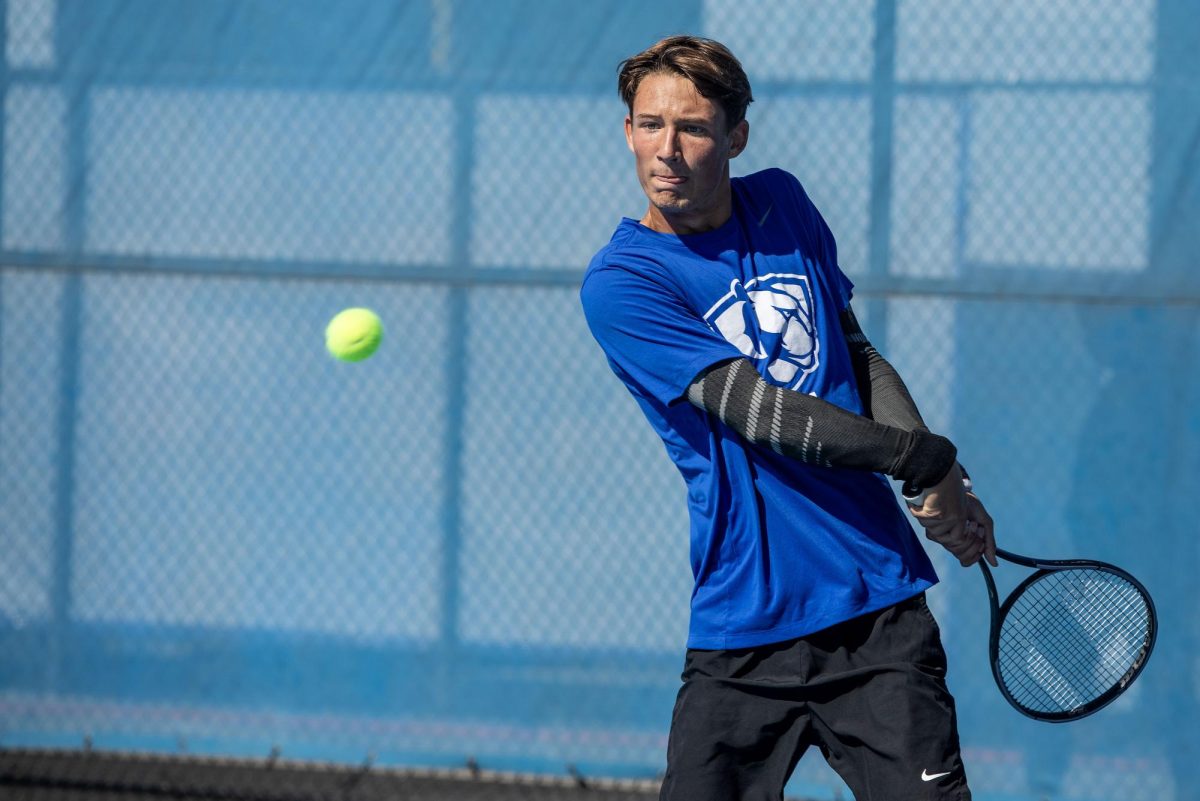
(926,776)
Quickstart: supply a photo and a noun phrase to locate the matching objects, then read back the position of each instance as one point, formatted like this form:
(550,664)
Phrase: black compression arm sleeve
(884,395)
(816,431)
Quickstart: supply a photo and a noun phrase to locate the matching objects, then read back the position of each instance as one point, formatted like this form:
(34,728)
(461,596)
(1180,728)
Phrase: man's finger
(985,527)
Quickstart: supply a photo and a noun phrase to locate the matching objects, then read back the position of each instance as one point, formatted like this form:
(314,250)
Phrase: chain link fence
(469,552)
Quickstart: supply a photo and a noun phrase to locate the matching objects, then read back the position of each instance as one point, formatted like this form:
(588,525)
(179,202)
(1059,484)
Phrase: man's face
(682,148)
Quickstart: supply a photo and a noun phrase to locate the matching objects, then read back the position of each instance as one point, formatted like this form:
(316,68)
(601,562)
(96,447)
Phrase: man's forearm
(815,431)
(885,397)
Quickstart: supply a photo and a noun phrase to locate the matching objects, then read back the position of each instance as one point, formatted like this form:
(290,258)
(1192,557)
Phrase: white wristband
(918,500)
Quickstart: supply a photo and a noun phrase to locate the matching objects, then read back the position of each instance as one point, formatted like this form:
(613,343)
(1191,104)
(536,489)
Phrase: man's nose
(668,148)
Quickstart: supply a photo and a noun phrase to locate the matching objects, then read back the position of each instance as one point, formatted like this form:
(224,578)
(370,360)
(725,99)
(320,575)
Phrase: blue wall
(213,538)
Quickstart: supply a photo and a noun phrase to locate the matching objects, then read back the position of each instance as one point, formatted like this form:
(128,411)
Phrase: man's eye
(650,126)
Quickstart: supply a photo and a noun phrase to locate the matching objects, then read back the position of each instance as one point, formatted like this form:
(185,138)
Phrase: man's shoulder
(774,185)
(623,237)
(773,181)
(778,190)
(613,264)
(627,250)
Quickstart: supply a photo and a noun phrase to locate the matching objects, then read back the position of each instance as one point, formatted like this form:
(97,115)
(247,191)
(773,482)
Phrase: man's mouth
(674,180)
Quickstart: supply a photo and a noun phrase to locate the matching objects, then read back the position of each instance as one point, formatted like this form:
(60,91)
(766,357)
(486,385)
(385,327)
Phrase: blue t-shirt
(779,548)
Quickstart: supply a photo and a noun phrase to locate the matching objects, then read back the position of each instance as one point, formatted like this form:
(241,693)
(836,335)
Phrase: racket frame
(1042,567)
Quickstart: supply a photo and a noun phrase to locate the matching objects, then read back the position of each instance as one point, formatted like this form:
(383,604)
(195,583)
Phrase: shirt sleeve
(653,340)
(843,287)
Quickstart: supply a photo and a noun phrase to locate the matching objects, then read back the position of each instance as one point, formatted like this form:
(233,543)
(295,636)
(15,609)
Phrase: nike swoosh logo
(766,214)
(928,777)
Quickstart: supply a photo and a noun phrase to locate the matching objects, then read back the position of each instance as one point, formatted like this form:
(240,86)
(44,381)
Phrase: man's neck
(684,224)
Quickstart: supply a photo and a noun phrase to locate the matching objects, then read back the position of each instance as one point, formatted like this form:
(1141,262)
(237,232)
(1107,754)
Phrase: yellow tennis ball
(353,334)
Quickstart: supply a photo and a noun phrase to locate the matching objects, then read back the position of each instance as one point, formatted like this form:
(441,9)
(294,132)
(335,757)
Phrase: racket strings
(1070,637)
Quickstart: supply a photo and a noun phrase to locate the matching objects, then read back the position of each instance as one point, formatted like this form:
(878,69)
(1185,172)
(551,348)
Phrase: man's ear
(739,137)
(629,132)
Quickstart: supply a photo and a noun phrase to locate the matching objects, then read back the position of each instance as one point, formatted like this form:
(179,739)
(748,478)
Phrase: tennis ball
(353,334)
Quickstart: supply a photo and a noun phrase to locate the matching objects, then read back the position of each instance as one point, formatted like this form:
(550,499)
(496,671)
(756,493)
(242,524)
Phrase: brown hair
(713,70)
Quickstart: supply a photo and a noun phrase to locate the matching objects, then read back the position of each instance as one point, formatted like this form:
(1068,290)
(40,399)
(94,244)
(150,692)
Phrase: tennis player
(725,313)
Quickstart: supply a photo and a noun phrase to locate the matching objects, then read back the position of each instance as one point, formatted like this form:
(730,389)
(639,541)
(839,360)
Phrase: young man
(725,313)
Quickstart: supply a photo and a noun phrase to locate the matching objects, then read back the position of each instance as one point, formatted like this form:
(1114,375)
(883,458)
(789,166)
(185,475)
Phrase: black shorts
(870,693)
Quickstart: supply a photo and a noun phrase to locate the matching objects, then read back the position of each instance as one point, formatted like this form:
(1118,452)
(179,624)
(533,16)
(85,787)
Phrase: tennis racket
(1070,638)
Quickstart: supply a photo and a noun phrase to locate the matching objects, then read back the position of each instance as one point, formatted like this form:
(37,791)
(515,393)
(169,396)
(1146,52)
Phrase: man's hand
(979,524)
(956,519)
